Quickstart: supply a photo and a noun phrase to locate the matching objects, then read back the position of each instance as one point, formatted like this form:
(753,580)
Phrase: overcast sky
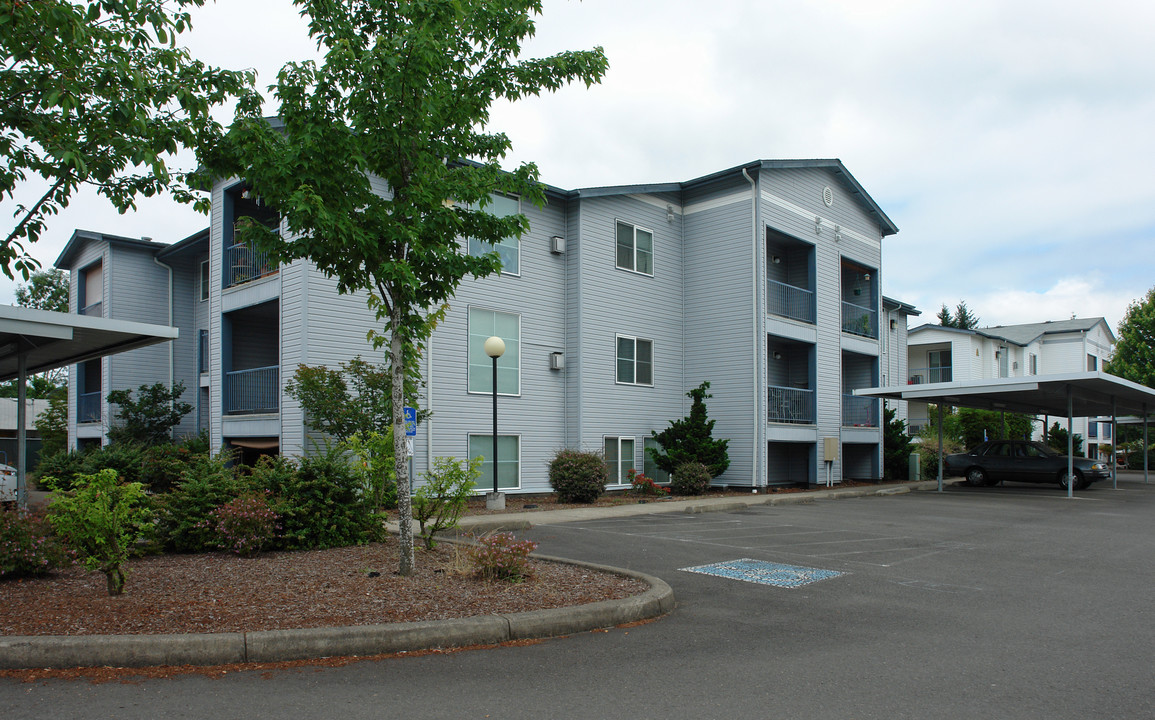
(1010,140)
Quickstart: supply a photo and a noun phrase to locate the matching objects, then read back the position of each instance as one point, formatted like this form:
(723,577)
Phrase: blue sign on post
(410,422)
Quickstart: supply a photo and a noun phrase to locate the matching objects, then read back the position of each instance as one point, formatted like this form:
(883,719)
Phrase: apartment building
(763,279)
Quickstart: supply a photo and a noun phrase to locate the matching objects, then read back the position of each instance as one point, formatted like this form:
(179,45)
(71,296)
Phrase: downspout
(171,349)
(756,477)
(428,404)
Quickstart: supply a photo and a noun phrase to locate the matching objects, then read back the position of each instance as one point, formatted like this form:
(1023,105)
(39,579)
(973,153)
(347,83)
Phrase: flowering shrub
(690,478)
(578,477)
(26,546)
(642,485)
(245,524)
(438,504)
(502,557)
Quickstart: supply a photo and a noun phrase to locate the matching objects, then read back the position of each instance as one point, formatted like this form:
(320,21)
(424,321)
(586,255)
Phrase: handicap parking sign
(410,422)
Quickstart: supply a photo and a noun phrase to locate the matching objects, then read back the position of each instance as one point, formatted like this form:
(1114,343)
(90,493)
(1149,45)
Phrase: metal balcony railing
(256,390)
(96,309)
(790,405)
(919,376)
(859,411)
(88,407)
(203,352)
(859,320)
(790,301)
(244,264)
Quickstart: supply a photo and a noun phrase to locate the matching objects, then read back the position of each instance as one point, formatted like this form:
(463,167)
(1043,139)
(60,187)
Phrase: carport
(34,341)
(1085,394)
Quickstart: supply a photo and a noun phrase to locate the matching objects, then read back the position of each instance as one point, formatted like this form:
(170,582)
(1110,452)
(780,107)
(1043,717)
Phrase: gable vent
(827,196)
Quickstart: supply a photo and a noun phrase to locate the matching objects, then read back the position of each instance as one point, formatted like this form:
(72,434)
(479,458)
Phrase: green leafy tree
(45,290)
(1134,356)
(979,425)
(691,439)
(102,520)
(355,398)
(439,503)
(98,94)
(896,446)
(52,424)
(149,418)
(403,95)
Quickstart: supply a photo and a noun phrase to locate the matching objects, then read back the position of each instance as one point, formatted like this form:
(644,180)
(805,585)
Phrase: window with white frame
(1092,363)
(509,249)
(204,280)
(635,249)
(649,468)
(635,361)
(484,324)
(619,459)
(1033,362)
(508,460)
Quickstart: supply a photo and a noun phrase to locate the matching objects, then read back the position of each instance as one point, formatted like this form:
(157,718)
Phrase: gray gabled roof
(1025,334)
(80,237)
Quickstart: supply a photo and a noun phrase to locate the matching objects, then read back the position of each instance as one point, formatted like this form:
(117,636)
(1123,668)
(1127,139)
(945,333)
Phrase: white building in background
(943,354)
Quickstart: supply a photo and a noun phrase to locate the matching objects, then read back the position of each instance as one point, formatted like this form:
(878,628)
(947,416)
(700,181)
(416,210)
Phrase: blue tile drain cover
(764,573)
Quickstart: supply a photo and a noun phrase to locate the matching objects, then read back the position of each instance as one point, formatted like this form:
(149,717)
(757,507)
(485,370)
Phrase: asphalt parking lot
(1003,602)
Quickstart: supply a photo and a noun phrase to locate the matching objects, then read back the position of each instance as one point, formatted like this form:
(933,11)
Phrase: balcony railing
(789,301)
(256,390)
(859,411)
(859,320)
(244,264)
(88,407)
(96,309)
(919,376)
(790,405)
(203,352)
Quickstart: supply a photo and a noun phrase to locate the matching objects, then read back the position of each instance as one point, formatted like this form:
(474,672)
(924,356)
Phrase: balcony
(96,309)
(859,320)
(789,301)
(244,264)
(859,411)
(919,376)
(255,390)
(88,407)
(790,405)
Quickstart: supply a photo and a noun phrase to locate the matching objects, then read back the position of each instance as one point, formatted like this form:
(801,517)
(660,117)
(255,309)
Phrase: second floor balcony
(794,406)
(789,301)
(918,376)
(244,264)
(859,411)
(251,391)
(88,407)
(859,320)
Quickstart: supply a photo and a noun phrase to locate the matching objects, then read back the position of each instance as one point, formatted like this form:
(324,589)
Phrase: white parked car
(7,483)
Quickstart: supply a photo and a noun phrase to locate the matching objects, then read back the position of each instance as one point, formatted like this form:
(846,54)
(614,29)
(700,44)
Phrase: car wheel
(977,477)
(1080,483)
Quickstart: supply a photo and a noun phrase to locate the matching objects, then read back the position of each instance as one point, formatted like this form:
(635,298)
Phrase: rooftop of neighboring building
(1025,333)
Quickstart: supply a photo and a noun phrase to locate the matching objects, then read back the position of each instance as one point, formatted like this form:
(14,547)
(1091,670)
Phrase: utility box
(830,449)
(915,468)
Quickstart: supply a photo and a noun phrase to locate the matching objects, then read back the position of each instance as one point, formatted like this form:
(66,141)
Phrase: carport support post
(1144,443)
(21,431)
(1114,442)
(940,445)
(1070,442)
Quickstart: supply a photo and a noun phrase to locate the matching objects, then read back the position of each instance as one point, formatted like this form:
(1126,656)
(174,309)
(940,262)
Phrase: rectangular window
(635,249)
(635,361)
(484,324)
(1092,429)
(508,461)
(619,459)
(1033,361)
(1092,363)
(649,468)
(1107,431)
(509,249)
(939,366)
(204,280)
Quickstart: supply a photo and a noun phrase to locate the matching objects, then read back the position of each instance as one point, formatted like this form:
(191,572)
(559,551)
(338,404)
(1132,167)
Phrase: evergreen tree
(1134,356)
(944,317)
(691,439)
(896,447)
(964,319)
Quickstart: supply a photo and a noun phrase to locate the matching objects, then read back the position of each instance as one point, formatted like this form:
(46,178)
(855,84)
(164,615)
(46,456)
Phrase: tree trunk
(400,459)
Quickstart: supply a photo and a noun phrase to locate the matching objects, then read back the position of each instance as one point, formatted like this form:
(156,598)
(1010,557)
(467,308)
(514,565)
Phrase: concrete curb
(46,651)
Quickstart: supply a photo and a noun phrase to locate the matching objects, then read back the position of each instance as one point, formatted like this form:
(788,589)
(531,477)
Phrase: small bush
(163,465)
(64,468)
(183,515)
(246,524)
(438,504)
(644,486)
(578,477)
(27,547)
(691,478)
(320,503)
(103,520)
(502,557)
(375,468)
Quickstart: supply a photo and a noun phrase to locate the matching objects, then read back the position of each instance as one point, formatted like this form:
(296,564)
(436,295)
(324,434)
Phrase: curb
(52,651)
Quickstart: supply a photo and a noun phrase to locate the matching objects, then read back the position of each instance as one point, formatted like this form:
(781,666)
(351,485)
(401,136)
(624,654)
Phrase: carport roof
(1093,394)
(51,339)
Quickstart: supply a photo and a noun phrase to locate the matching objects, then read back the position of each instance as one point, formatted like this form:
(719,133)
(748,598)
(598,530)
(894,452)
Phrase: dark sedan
(1022,461)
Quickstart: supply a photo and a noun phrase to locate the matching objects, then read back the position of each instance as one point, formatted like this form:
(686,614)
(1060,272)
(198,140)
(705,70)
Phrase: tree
(691,439)
(944,317)
(1134,356)
(52,424)
(896,446)
(98,93)
(980,425)
(962,319)
(45,290)
(1057,440)
(356,398)
(150,418)
(403,96)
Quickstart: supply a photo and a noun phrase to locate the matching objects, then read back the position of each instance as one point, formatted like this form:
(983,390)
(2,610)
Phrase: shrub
(320,503)
(642,485)
(183,514)
(245,525)
(578,477)
(64,468)
(691,439)
(163,465)
(26,546)
(375,467)
(438,504)
(103,519)
(502,557)
(691,478)
(150,417)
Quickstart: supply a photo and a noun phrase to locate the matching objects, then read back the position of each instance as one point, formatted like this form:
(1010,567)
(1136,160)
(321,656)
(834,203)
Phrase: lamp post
(494,348)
